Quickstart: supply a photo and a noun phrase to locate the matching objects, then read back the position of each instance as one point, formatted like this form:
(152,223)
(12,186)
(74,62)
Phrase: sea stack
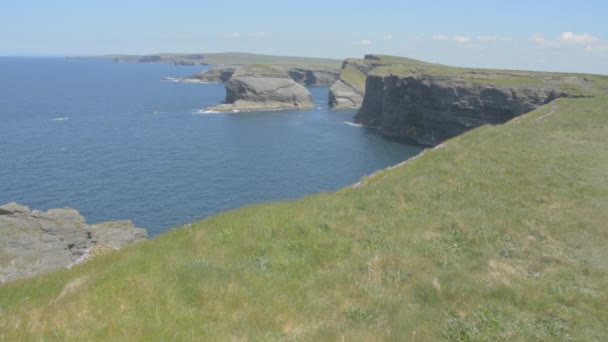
(262,88)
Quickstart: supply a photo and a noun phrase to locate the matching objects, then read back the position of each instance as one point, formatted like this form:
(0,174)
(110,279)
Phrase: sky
(556,35)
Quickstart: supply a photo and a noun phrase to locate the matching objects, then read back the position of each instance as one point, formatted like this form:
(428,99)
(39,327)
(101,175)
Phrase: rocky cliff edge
(33,242)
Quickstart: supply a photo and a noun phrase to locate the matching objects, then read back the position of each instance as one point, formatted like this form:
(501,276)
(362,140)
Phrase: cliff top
(499,233)
(574,84)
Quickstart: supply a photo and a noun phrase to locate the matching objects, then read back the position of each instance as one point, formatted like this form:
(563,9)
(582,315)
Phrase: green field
(498,234)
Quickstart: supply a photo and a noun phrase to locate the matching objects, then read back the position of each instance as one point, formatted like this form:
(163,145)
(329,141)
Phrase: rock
(308,76)
(217,75)
(349,89)
(262,87)
(35,242)
(430,109)
(12,208)
(311,76)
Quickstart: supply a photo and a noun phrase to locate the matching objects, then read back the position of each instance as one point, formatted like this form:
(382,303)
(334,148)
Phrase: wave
(60,119)
(203,111)
(353,124)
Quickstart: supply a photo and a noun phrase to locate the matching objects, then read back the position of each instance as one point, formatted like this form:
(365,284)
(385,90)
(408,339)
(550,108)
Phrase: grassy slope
(501,233)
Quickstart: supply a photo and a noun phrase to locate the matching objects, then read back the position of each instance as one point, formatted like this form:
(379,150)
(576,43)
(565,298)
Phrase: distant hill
(222,58)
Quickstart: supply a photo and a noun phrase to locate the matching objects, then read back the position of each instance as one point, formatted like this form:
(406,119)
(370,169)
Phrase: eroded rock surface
(33,242)
(261,87)
(430,109)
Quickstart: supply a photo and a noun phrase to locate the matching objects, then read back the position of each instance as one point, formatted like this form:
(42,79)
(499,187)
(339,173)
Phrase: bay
(115,142)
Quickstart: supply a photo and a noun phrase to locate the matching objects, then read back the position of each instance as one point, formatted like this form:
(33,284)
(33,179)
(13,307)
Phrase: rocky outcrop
(348,91)
(216,75)
(307,76)
(430,109)
(34,242)
(261,87)
(311,76)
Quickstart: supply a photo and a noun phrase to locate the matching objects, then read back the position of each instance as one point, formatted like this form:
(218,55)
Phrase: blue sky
(553,35)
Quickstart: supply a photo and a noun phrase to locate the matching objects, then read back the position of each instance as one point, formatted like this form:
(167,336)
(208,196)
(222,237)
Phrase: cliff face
(261,87)
(430,109)
(307,76)
(34,242)
(349,89)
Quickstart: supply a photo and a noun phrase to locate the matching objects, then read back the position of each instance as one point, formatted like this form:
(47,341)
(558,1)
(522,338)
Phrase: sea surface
(115,142)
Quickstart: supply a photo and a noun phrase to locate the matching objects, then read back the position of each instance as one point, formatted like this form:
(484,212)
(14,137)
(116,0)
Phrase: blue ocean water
(115,142)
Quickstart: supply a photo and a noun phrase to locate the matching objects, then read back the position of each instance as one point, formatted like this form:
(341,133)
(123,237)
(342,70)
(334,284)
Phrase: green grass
(499,234)
(353,76)
(573,84)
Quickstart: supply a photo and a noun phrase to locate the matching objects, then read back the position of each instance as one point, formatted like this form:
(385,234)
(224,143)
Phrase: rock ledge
(33,242)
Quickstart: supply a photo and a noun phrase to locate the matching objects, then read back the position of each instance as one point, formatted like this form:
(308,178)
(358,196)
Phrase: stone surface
(348,91)
(261,87)
(34,242)
(307,76)
(430,109)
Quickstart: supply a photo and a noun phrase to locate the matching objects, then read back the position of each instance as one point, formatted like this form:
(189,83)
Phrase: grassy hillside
(497,234)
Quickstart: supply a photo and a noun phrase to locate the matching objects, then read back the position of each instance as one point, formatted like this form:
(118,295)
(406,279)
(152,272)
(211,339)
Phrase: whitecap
(353,124)
(203,111)
(60,119)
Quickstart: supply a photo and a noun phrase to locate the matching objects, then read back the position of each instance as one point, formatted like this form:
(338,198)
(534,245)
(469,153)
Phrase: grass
(498,234)
(353,76)
(573,84)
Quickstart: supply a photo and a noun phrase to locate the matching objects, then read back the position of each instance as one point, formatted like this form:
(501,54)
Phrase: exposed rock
(308,76)
(430,109)
(35,242)
(311,76)
(217,75)
(349,89)
(261,87)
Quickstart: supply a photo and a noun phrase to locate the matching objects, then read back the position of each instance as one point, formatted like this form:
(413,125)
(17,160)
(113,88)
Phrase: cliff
(35,242)
(349,89)
(429,103)
(304,75)
(262,87)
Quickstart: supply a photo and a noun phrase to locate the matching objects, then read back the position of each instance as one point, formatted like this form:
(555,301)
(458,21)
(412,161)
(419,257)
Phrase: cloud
(365,42)
(573,38)
(387,37)
(589,42)
(461,39)
(487,38)
(441,37)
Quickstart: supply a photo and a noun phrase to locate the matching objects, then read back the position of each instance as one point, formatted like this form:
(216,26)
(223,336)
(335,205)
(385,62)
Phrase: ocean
(114,141)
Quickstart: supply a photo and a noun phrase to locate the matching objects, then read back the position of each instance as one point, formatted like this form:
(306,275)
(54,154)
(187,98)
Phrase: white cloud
(487,38)
(589,42)
(461,39)
(365,42)
(387,37)
(441,37)
(573,38)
